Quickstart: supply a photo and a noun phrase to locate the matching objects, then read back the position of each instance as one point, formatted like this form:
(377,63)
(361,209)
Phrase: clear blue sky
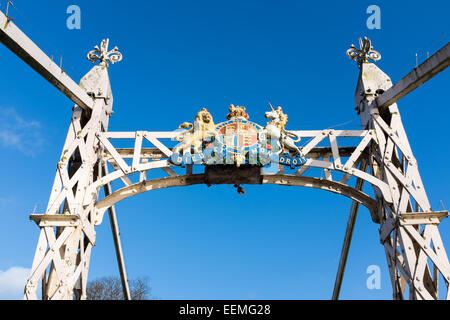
(210,243)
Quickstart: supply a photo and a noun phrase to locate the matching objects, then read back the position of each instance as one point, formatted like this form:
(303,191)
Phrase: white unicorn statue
(275,130)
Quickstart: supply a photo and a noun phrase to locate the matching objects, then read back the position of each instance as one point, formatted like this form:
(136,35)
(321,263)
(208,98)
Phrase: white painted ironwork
(418,76)
(408,227)
(364,53)
(103,55)
(396,191)
(409,232)
(13,38)
(415,253)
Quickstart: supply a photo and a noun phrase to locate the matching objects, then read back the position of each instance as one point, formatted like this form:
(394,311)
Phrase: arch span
(195,179)
(336,164)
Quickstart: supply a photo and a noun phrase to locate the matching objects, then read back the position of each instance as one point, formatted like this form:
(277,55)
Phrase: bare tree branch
(110,288)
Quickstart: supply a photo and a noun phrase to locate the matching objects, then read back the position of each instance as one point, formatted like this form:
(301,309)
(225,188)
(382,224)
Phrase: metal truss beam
(415,254)
(419,75)
(64,248)
(345,160)
(16,41)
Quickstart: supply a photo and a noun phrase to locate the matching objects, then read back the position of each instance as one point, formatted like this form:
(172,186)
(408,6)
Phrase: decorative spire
(365,52)
(237,112)
(104,55)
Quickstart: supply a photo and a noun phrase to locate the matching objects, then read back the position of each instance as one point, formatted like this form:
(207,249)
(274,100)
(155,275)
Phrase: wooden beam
(418,76)
(16,41)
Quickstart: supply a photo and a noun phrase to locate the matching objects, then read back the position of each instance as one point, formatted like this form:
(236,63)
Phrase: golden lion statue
(194,135)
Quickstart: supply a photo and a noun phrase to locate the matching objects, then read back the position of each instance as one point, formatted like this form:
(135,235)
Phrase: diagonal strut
(22,46)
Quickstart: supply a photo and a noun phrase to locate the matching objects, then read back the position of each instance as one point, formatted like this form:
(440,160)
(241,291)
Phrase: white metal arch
(129,161)
(195,179)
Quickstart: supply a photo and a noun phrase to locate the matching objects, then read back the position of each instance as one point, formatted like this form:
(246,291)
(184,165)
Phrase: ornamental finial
(104,55)
(365,52)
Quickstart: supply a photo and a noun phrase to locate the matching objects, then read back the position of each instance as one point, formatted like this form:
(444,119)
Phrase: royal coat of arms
(237,141)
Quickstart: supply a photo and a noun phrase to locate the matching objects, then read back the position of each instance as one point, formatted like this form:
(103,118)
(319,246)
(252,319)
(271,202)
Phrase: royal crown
(237,112)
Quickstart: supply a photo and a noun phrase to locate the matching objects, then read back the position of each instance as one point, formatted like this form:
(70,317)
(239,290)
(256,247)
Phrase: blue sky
(179,56)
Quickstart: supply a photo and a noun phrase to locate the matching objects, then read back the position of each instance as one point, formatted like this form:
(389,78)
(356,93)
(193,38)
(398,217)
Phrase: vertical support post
(117,242)
(348,235)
